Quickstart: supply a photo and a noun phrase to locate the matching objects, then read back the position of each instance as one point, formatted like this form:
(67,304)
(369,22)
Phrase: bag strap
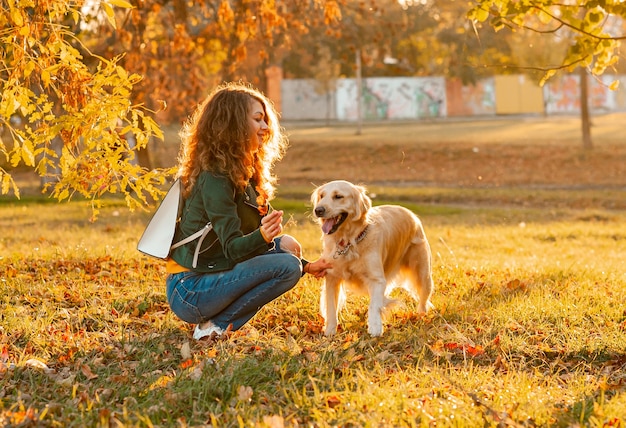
(196,253)
(202,233)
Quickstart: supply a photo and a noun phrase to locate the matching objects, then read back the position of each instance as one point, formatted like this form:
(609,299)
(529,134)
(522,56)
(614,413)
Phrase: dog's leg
(425,290)
(416,269)
(329,304)
(376,307)
(422,277)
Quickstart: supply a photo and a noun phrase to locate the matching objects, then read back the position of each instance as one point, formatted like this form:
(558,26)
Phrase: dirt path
(526,152)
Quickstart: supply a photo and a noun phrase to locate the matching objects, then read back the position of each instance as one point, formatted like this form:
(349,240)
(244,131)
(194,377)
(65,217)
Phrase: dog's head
(337,202)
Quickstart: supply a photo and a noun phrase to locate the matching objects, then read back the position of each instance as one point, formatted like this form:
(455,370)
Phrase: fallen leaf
(384,355)
(460,348)
(185,351)
(438,349)
(196,373)
(186,364)
(333,401)
(86,370)
(244,393)
(292,346)
(65,381)
(475,350)
(274,421)
(37,364)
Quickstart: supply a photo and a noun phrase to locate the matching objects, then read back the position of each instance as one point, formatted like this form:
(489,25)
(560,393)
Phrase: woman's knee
(289,244)
(291,268)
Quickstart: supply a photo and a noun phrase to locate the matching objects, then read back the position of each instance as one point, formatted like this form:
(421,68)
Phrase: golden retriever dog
(372,250)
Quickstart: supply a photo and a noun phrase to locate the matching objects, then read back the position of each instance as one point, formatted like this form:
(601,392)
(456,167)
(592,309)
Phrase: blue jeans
(233,297)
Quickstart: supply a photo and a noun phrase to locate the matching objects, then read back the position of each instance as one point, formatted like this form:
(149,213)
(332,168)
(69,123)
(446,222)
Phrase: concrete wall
(406,98)
(392,98)
(471,100)
(302,99)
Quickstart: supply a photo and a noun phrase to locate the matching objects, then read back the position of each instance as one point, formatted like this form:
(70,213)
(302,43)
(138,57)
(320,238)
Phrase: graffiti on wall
(392,98)
(616,99)
(562,94)
(388,98)
(471,100)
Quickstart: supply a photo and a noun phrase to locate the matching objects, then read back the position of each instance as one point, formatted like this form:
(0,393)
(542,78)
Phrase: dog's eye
(337,196)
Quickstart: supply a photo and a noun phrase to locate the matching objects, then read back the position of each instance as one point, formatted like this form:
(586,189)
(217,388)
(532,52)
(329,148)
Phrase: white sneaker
(210,328)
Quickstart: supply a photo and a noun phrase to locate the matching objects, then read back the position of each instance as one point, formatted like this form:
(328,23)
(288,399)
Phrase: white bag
(158,236)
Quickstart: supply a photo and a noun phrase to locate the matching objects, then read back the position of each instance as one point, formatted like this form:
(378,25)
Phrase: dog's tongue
(327,225)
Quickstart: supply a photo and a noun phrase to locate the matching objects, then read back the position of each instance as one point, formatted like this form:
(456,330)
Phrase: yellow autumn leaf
(16,156)
(614,85)
(65,194)
(28,68)
(45,78)
(16,16)
(546,77)
(120,3)
(27,154)
(24,31)
(110,13)
(6,183)
(479,14)
(544,17)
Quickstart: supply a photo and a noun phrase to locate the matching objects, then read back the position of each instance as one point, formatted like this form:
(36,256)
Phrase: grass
(529,327)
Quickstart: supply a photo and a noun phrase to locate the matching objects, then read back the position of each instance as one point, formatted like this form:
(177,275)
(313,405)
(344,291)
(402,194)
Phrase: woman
(229,147)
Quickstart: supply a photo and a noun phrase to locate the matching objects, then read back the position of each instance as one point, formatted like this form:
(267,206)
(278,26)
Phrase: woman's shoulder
(212,181)
(211,175)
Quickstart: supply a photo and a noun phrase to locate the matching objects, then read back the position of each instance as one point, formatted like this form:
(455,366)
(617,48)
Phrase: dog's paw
(375,330)
(330,330)
(423,308)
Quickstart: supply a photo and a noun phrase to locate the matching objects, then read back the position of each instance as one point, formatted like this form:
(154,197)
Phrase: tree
(410,38)
(441,41)
(56,97)
(82,76)
(593,28)
(182,48)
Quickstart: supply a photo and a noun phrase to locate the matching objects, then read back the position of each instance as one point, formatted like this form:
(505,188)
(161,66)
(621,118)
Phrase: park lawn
(529,328)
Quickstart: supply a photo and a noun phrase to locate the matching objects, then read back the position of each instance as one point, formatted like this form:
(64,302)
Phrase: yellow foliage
(594,42)
(614,85)
(73,128)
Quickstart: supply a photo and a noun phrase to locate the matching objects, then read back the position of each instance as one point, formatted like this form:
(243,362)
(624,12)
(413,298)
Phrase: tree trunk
(328,106)
(584,110)
(359,93)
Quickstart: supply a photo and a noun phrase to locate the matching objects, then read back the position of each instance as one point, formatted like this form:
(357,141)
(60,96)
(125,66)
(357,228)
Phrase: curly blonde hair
(215,138)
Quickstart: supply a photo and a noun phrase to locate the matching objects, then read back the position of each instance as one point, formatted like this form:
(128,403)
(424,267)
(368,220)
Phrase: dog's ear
(364,203)
(314,196)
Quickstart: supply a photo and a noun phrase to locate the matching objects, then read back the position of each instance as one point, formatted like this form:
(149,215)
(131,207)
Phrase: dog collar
(342,251)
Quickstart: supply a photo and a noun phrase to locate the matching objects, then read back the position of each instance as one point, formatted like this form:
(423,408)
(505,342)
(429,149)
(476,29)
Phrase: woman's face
(257,127)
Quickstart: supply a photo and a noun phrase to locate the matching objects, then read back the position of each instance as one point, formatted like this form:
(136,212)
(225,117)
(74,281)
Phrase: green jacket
(235,218)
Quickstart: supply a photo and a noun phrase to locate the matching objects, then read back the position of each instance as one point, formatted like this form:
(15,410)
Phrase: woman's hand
(272,225)
(318,268)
